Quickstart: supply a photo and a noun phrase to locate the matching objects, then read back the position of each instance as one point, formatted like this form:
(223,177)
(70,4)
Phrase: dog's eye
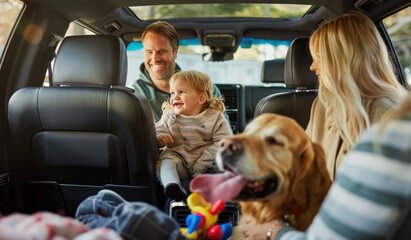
(273,140)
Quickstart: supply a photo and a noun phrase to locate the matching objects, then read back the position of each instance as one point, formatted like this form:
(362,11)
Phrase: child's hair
(201,83)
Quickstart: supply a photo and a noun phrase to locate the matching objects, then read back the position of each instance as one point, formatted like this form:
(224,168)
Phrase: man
(160,42)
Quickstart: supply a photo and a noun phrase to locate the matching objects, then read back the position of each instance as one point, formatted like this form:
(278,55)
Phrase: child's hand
(164,140)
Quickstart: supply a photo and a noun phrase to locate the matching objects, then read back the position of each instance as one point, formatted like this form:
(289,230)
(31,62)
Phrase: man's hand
(164,140)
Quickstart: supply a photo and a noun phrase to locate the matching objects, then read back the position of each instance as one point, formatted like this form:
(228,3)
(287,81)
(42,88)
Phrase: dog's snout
(231,145)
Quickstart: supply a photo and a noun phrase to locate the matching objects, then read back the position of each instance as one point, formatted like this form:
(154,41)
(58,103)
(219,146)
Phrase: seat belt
(52,43)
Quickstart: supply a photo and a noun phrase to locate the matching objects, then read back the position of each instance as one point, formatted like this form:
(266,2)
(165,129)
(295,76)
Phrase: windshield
(220,10)
(244,69)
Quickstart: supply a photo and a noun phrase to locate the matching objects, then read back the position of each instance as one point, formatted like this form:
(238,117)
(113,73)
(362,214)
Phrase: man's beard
(165,76)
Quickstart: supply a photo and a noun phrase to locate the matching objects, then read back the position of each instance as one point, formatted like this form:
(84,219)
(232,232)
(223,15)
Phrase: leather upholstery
(297,75)
(87,133)
(91,53)
(272,71)
(297,72)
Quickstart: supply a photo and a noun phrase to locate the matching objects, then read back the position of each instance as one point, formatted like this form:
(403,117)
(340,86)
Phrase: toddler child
(190,128)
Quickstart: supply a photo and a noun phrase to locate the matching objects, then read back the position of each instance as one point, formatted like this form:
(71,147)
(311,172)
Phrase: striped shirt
(195,138)
(371,191)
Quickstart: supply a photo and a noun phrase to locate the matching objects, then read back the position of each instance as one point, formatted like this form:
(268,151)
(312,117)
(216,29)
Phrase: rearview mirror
(217,56)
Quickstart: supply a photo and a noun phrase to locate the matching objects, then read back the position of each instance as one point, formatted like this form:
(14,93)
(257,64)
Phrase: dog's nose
(230,146)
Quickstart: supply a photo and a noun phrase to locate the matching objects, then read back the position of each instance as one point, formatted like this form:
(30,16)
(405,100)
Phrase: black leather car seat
(297,75)
(85,133)
(272,71)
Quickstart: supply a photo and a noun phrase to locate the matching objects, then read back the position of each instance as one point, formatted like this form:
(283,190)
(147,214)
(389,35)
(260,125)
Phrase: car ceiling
(114,18)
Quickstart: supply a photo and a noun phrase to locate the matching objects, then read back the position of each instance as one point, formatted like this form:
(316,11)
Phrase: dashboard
(241,100)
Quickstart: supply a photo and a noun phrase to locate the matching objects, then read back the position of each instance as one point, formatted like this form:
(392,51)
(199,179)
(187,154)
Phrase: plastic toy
(201,222)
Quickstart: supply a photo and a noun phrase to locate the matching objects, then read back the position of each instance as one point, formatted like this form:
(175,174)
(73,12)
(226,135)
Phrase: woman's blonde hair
(201,84)
(355,68)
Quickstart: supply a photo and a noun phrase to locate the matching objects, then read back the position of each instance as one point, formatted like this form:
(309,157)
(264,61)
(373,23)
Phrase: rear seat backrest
(297,76)
(87,132)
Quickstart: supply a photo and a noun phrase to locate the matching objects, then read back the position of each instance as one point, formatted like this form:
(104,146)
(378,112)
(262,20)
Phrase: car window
(399,29)
(9,11)
(76,29)
(245,68)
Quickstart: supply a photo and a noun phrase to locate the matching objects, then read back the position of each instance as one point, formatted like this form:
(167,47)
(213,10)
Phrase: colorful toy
(201,222)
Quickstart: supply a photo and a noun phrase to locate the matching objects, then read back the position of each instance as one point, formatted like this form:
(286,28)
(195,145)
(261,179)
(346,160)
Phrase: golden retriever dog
(273,170)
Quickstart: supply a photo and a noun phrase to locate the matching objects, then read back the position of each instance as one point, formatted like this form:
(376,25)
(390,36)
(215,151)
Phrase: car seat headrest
(297,72)
(272,71)
(91,61)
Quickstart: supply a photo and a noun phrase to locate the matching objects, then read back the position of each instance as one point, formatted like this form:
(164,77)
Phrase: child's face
(185,100)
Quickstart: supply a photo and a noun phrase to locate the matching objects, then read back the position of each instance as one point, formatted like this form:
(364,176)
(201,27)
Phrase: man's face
(159,57)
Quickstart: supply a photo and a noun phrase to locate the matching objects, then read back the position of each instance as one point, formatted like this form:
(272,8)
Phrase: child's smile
(185,100)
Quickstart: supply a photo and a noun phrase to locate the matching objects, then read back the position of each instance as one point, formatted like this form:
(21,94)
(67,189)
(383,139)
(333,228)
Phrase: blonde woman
(357,84)
(191,126)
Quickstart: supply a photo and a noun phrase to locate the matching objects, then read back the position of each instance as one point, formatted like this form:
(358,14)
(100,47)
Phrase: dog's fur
(276,147)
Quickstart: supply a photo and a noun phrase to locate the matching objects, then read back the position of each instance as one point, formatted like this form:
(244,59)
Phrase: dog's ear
(301,168)
(323,179)
(311,176)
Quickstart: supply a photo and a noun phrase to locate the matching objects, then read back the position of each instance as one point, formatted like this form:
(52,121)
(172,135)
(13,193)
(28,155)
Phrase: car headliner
(101,15)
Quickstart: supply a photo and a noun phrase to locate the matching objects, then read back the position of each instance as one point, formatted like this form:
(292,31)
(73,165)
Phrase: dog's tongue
(220,186)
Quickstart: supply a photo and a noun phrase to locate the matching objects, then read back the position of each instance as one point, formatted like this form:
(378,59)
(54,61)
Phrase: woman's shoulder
(380,106)
(318,111)
(383,102)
